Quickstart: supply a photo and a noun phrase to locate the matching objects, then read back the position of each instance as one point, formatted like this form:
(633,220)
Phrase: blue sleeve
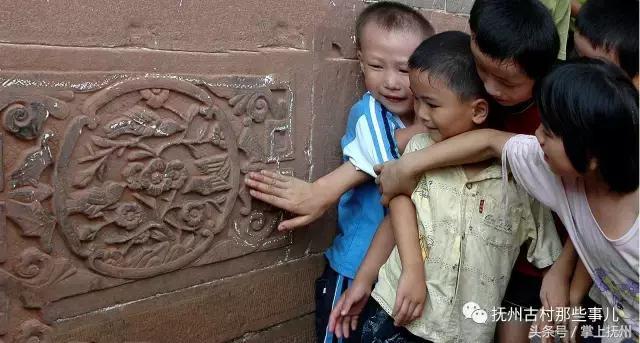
(369,138)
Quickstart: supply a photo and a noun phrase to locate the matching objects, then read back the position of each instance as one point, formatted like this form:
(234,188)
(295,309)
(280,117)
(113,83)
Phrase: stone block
(178,25)
(213,312)
(459,6)
(445,22)
(299,330)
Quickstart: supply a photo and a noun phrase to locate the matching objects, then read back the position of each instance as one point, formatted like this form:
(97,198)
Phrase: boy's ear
(359,54)
(480,111)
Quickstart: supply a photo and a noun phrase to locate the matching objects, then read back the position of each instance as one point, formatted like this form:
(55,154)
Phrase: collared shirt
(369,140)
(470,242)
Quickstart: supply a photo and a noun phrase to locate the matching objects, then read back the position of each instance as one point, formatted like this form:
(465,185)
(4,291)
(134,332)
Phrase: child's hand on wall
(290,194)
(410,296)
(344,316)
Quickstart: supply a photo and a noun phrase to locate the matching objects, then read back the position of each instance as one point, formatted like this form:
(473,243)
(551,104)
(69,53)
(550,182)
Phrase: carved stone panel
(136,176)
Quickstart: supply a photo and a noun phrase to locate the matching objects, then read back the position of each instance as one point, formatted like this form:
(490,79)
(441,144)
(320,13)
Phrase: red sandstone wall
(125,131)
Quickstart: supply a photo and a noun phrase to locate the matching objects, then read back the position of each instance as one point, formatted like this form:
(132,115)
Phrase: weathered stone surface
(445,22)
(459,6)
(180,25)
(211,312)
(299,330)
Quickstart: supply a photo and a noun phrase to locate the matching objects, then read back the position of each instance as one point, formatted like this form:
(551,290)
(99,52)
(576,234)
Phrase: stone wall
(126,130)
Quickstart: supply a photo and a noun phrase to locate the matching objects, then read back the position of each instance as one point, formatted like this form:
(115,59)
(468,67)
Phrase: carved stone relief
(139,176)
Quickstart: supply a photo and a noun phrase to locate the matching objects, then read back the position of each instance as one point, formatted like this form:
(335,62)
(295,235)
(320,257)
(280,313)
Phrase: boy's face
(503,80)
(584,48)
(554,153)
(438,108)
(384,55)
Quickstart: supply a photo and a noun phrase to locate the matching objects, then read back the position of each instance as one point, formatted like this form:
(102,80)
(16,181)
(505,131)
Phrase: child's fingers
(384,200)
(271,199)
(417,312)
(346,305)
(400,318)
(293,223)
(275,175)
(335,315)
(354,323)
(265,186)
(409,316)
(378,168)
(345,326)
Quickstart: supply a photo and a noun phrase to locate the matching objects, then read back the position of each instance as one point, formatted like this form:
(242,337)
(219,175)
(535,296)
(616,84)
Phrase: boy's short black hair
(447,57)
(612,25)
(391,15)
(518,30)
(598,119)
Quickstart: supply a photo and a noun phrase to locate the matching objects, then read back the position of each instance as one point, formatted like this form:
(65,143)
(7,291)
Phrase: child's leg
(513,331)
(521,297)
(378,327)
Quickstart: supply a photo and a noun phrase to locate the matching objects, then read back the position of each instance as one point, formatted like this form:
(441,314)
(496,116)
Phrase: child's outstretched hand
(393,179)
(290,194)
(410,296)
(344,316)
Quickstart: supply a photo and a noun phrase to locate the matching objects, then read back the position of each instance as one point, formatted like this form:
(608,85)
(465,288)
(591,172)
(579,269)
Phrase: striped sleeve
(369,139)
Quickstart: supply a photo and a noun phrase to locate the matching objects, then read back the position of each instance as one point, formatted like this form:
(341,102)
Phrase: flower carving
(197,216)
(129,215)
(156,177)
(193,214)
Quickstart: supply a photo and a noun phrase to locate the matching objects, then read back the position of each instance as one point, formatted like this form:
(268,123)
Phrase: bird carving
(28,174)
(93,200)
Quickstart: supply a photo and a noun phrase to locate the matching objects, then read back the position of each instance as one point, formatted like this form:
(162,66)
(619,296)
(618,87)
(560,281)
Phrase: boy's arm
(344,316)
(411,292)
(308,201)
(555,292)
(580,284)
(401,176)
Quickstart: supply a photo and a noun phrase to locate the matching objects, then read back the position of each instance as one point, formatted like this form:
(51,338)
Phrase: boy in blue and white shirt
(387,33)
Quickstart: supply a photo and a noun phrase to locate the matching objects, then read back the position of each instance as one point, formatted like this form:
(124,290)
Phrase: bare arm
(580,284)
(344,316)
(308,201)
(401,176)
(378,253)
(411,292)
(554,292)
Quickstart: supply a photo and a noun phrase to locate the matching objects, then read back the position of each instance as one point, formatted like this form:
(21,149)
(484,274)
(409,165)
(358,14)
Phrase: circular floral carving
(156,177)
(129,215)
